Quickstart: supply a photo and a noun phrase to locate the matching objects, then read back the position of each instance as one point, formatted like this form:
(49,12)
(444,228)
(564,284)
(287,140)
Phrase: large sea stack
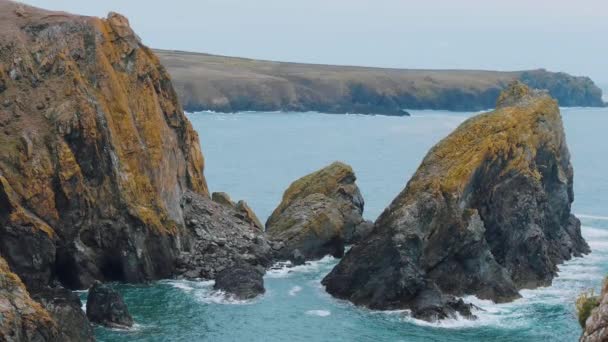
(487,213)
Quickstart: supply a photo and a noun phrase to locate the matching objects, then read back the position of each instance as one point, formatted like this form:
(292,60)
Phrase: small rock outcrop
(487,213)
(241,207)
(318,215)
(241,281)
(106,306)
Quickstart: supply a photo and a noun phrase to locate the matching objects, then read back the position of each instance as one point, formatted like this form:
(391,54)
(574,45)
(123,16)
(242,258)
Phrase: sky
(558,35)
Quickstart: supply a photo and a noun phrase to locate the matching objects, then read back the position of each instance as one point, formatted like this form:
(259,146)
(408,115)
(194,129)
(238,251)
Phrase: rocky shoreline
(230,84)
(102,180)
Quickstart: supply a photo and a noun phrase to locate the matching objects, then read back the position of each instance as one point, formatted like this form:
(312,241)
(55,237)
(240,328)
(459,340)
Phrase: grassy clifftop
(229,84)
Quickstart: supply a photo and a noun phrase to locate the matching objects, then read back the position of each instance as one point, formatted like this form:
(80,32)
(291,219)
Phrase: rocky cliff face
(23,319)
(96,155)
(595,327)
(229,84)
(487,213)
(318,215)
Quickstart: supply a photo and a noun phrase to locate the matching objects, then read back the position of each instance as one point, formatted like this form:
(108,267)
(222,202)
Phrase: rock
(227,240)
(23,319)
(313,225)
(65,308)
(243,281)
(248,215)
(319,214)
(105,306)
(95,190)
(595,326)
(487,213)
(241,208)
(223,199)
(297,258)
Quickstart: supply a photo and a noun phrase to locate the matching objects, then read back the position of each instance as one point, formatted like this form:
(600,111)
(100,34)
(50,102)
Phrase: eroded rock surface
(96,151)
(487,213)
(219,240)
(596,326)
(241,281)
(106,306)
(318,215)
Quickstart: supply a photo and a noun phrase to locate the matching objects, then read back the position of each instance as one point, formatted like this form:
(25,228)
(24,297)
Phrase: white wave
(204,292)
(320,313)
(286,269)
(593,217)
(592,232)
(294,290)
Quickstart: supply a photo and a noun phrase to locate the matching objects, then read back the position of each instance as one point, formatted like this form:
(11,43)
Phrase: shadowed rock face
(487,213)
(96,151)
(242,281)
(106,306)
(229,84)
(318,215)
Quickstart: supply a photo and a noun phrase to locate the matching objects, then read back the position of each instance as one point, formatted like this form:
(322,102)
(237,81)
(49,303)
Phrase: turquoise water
(254,156)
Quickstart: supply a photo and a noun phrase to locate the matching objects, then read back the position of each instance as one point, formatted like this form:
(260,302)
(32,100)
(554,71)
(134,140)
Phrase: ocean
(255,156)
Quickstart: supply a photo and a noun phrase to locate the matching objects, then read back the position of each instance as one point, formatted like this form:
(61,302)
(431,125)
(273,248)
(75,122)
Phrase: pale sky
(559,35)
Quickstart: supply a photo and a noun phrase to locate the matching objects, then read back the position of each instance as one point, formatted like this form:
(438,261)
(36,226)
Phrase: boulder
(487,213)
(241,281)
(319,214)
(106,306)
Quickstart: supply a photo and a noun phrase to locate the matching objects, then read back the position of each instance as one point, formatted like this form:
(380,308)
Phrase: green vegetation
(585,303)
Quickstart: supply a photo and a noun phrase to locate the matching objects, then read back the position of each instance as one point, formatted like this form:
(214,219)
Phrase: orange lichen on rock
(95,143)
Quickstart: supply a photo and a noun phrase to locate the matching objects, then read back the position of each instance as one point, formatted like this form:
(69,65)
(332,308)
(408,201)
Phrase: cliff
(487,213)
(229,84)
(96,151)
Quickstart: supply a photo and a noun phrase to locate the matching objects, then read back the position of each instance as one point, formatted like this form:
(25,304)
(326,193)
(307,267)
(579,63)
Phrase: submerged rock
(106,306)
(242,281)
(487,213)
(319,214)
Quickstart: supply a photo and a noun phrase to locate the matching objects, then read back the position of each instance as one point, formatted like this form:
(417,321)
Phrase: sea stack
(487,213)
(318,215)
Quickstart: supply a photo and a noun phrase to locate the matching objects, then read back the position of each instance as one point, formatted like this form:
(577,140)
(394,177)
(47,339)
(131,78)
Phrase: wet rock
(487,213)
(106,306)
(319,214)
(242,281)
